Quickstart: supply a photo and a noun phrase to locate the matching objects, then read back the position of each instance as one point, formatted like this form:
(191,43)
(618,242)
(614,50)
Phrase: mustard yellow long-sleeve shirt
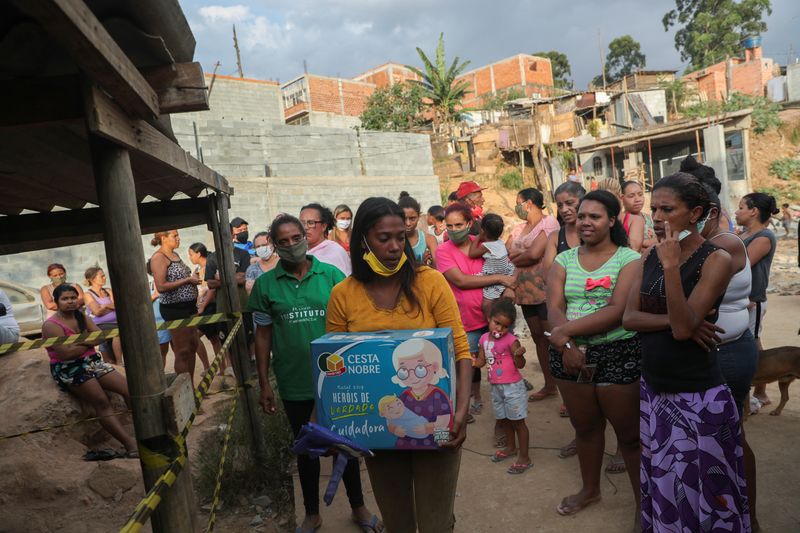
(350,308)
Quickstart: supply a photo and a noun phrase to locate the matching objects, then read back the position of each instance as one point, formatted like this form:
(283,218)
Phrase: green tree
(440,90)
(765,114)
(395,108)
(561,68)
(624,57)
(712,30)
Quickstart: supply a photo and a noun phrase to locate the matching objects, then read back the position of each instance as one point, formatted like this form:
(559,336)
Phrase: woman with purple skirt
(692,475)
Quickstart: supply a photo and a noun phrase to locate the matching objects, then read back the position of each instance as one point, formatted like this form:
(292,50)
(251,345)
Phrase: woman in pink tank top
(78,369)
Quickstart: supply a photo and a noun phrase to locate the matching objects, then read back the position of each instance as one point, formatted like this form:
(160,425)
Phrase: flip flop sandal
(568,451)
(476,408)
(566,510)
(373,525)
(519,468)
(539,396)
(100,455)
(500,456)
(616,465)
(562,412)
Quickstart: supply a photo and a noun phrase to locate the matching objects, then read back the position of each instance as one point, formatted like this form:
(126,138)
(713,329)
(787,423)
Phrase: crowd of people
(647,321)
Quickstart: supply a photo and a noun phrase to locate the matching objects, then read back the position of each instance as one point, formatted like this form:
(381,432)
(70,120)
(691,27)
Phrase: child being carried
(489,246)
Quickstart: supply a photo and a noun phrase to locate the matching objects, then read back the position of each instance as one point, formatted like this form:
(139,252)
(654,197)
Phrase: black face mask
(242,237)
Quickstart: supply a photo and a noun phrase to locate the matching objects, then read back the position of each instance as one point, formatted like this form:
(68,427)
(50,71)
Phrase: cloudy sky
(347,37)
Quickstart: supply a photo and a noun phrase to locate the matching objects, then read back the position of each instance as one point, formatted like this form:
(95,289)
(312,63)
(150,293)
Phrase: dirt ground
(489,500)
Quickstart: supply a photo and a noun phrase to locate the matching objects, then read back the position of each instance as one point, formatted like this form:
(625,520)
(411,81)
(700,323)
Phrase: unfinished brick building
(387,75)
(531,74)
(747,75)
(313,100)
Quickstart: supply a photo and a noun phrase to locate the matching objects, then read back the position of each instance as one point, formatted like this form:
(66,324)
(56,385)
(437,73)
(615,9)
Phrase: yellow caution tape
(108,334)
(212,519)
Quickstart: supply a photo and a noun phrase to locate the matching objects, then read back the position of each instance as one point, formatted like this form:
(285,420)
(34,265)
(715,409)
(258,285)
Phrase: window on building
(597,166)
(295,93)
(734,155)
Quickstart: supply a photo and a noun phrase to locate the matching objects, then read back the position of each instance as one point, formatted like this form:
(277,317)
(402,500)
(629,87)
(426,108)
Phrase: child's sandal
(500,456)
(519,468)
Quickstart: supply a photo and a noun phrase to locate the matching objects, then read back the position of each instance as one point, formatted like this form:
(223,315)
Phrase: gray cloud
(347,37)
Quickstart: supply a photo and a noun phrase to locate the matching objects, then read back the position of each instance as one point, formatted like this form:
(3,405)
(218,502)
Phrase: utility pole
(238,55)
(602,59)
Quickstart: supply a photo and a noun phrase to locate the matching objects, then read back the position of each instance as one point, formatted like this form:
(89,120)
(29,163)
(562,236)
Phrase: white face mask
(264,252)
(343,223)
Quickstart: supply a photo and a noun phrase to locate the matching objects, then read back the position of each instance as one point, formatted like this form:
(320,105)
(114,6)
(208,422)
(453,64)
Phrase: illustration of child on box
(419,366)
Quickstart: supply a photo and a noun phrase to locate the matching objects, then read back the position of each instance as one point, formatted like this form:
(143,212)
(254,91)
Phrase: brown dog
(781,365)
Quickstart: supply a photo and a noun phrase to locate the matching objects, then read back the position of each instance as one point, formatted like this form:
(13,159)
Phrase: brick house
(313,100)
(387,75)
(532,74)
(748,75)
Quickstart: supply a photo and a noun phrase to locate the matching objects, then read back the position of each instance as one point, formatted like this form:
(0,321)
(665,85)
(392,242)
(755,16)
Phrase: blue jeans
(738,360)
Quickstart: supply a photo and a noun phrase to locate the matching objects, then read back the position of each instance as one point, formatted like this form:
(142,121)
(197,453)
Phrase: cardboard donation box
(386,389)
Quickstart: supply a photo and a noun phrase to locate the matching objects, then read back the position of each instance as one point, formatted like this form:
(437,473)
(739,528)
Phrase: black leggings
(299,412)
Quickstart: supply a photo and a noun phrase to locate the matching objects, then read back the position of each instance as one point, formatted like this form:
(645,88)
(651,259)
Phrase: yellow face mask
(378,267)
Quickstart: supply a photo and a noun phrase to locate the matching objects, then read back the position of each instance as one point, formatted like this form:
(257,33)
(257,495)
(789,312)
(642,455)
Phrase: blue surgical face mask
(682,235)
(702,223)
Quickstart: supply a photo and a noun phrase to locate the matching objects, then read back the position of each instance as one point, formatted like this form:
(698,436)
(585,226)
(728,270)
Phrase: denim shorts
(738,360)
(510,400)
(474,337)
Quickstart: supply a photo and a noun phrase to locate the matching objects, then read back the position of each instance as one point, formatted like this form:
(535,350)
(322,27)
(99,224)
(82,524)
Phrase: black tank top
(562,245)
(670,365)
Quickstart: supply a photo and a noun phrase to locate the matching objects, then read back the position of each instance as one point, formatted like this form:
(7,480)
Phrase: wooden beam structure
(146,382)
(79,226)
(106,119)
(50,100)
(80,33)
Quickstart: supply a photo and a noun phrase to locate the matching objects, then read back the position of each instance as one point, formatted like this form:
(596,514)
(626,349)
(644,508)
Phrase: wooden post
(650,155)
(697,141)
(613,164)
(228,301)
(116,194)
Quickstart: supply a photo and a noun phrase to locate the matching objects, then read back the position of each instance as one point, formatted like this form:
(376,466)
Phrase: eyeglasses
(310,223)
(420,371)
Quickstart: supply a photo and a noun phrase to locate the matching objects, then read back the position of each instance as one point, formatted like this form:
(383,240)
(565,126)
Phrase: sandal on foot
(101,455)
(616,465)
(562,412)
(539,396)
(501,455)
(500,442)
(373,525)
(569,450)
(565,509)
(476,408)
(470,418)
(519,468)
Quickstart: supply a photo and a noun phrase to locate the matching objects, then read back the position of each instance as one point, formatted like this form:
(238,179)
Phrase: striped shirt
(583,300)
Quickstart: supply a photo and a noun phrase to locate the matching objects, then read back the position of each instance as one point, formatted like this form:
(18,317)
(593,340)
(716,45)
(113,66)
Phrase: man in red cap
(470,193)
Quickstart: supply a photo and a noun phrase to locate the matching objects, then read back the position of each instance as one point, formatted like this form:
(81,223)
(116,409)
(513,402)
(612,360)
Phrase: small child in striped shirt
(489,246)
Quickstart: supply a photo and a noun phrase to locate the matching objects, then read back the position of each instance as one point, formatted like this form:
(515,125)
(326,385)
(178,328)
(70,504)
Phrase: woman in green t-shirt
(595,361)
(289,305)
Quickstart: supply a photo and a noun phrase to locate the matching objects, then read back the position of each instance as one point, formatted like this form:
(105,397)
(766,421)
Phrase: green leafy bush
(765,113)
(511,180)
(785,168)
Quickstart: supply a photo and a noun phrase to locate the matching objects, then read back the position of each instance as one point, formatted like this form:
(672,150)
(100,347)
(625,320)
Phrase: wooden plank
(106,119)
(72,24)
(46,100)
(180,87)
(79,226)
(178,404)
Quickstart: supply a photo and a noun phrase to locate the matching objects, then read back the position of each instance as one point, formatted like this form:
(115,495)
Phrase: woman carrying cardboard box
(415,490)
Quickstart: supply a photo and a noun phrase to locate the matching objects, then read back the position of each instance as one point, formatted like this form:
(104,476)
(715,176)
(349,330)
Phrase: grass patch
(511,180)
(244,475)
(785,168)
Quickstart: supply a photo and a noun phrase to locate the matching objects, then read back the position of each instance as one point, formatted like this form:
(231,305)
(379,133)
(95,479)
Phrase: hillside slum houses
(632,129)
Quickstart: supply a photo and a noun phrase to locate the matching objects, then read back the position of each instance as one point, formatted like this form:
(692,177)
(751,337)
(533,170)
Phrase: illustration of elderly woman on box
(422,410)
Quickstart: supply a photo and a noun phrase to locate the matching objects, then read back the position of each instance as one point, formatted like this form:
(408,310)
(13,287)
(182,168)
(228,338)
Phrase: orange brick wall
(536,72)
(380,75)
(325,96)
(380,78)
(295,109)
(749,77)
(752,77)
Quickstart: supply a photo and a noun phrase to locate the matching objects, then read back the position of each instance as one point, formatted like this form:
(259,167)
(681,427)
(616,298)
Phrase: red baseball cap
(467,187)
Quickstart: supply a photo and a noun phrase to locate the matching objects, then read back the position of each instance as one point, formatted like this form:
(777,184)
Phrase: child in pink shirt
(501,351)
